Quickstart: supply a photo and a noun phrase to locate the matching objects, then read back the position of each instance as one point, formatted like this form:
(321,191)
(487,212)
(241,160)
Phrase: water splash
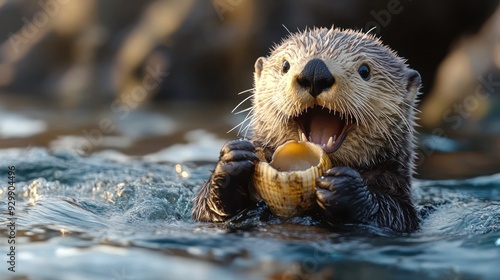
(91,217)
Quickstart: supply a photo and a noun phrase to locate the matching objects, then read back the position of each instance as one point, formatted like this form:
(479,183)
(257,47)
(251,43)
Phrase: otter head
(341,89)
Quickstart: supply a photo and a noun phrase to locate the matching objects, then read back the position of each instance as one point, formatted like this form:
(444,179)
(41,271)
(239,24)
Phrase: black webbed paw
(343,196)
(236,158)
(232,175)
(227,191)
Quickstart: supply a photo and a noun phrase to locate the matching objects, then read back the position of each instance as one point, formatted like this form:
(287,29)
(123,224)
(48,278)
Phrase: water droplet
(178,168)
(497,243)
(64,232)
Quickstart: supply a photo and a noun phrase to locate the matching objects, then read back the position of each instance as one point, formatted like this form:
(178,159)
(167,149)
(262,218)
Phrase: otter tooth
(329,145)
(299,133)
(303,137)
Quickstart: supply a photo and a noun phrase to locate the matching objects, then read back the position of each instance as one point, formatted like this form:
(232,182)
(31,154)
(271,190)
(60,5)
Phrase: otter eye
(285,67)
(364,72)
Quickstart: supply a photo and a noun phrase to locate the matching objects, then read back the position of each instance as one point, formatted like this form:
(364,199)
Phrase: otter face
(340,89)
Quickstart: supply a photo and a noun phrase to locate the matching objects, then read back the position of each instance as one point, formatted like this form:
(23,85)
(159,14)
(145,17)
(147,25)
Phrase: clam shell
(287,184)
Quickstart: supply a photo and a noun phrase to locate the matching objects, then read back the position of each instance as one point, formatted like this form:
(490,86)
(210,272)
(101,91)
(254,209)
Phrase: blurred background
(157,79)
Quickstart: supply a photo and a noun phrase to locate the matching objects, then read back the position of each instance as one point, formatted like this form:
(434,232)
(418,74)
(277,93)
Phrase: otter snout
(315,77)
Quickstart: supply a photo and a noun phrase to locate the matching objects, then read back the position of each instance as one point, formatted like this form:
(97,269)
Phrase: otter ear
(259,65)
(413,82)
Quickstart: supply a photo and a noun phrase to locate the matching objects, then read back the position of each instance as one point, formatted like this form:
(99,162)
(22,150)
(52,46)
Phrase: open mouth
(323,127)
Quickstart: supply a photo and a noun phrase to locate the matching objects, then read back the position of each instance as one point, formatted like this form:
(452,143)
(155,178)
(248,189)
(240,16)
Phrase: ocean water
(106,216)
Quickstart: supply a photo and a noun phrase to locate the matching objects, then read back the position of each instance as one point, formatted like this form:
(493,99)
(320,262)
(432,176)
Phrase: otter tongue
(322,128)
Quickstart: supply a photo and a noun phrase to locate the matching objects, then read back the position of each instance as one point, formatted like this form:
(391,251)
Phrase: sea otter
(347,92)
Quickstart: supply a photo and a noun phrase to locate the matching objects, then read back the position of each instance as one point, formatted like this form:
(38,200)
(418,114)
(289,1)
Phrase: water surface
(110,216)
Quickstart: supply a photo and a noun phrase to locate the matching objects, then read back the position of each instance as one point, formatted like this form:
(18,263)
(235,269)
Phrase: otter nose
(315,77)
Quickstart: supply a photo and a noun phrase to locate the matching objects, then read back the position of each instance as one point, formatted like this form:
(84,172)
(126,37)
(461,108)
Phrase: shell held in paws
(287,183)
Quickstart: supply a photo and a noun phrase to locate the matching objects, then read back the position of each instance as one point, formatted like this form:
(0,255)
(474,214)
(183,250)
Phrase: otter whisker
(240,125)
(245,91)
(243,111)
(250,124)
(239,104)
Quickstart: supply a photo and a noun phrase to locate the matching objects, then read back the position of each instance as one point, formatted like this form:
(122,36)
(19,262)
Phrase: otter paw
(232,174)
(237,158)
(343,196)
(227,191)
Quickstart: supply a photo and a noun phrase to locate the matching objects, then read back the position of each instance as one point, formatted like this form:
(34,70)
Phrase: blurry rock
(91,51)
(201,55)
(466,95)
(464,107)
(139,51)
(219,42)
(48,48)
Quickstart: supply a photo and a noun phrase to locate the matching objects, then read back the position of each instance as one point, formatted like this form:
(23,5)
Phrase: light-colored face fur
(380,108)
